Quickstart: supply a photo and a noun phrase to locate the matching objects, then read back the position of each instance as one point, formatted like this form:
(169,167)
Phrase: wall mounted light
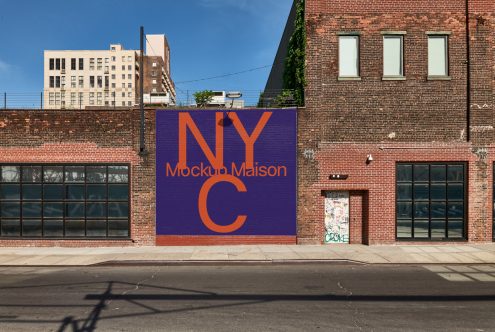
(369,159)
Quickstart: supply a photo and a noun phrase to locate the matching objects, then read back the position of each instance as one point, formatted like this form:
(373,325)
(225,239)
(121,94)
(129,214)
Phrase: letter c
(203,205)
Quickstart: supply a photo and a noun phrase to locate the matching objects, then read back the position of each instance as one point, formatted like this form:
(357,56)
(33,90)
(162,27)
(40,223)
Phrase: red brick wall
(411,120)
(86,137)
(372,187)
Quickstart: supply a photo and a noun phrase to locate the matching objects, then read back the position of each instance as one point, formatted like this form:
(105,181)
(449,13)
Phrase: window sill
(439,78)
(344,78)
(393,78)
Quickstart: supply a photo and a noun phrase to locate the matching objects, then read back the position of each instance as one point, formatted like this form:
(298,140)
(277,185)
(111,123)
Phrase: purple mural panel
(226,173)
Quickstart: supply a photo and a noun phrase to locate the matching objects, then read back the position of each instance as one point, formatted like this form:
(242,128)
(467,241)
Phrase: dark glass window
(63,64)
(430,201)
(52,64)
(52,81)
(73,64)
(81,64)
(57,64)
(72,201)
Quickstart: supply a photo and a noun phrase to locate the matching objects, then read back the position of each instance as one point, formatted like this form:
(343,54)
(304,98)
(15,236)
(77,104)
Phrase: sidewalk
(392,254)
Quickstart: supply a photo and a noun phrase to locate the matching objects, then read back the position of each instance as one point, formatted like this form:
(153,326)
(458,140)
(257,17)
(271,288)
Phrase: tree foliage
(203,98)
(294,79)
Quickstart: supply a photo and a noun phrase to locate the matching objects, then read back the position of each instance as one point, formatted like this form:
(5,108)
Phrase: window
(81,81)
(91,64)
(91,81)
(100,81)
(154,81)
(123,94)
(81,64)
(52,64)
(129,76)
(154,64)
(129,58)
(123,67)
(62,81)
(106,60)
(129,103)
(73,98)
(57,100)
(51,99)
(129,85)
(52,81)
(113,85)
(113,59)
(153,73)
(63,64)
(123,76)
(129,67)
(57,81)
(123,58)
(81,97)
(123,85)
(73,82)
(113,67)
(73,64)
(113,76)
(99,64)
(129,94)
(430,201)
(71,201)
(57,64)
(107,82)
(393,56)
(349,56)
(438,64)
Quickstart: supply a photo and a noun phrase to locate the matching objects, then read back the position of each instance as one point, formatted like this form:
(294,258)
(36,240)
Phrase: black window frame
(73,64)
(43,201)
(413,200)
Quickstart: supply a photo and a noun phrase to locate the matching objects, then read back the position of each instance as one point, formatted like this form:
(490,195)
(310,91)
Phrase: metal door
(337,217)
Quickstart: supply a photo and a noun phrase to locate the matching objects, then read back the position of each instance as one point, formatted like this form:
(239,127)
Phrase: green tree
(294,79)
(204,97)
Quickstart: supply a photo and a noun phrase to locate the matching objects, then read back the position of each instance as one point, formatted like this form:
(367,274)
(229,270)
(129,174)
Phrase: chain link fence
(60,99)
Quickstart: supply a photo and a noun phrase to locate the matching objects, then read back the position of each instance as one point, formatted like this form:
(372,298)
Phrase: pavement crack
(356,322)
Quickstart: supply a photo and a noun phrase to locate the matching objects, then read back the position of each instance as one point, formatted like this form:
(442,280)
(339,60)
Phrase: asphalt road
(248,298)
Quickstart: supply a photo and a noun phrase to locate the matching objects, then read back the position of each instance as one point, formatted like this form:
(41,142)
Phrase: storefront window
(64,201)
(430,201)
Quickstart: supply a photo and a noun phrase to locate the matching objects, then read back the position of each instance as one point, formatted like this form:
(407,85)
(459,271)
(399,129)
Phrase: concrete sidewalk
(393,254)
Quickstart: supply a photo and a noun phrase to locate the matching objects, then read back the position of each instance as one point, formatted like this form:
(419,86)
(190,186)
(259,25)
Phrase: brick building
(395,134)
(75,178)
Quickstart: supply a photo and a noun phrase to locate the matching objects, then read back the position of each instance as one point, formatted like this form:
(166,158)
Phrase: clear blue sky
(207,37)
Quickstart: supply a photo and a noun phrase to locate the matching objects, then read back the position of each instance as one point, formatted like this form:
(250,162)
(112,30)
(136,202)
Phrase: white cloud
(4,66)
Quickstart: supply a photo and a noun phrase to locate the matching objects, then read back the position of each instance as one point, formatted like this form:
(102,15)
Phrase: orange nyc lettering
(217,160)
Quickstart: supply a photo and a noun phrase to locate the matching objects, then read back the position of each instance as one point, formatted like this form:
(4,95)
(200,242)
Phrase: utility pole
(5,100)
(142,145)
(41,101)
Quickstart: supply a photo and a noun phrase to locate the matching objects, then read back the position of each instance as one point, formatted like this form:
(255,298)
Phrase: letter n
(185,122)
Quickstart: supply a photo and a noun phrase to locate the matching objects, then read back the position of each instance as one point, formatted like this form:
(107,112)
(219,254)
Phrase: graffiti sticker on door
(337,217)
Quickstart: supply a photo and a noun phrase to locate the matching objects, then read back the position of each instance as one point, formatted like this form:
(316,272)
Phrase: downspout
(468,76)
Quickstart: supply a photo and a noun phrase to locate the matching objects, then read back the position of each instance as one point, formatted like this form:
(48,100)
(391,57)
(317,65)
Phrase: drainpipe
(142,145)
(468,77)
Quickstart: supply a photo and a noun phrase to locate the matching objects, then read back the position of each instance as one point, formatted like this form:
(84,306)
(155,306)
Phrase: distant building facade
(77,79)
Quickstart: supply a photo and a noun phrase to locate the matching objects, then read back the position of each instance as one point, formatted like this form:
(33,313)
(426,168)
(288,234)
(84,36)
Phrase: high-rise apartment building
(98,78)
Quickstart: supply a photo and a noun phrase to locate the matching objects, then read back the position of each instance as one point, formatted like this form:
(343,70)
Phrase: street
(292,297)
